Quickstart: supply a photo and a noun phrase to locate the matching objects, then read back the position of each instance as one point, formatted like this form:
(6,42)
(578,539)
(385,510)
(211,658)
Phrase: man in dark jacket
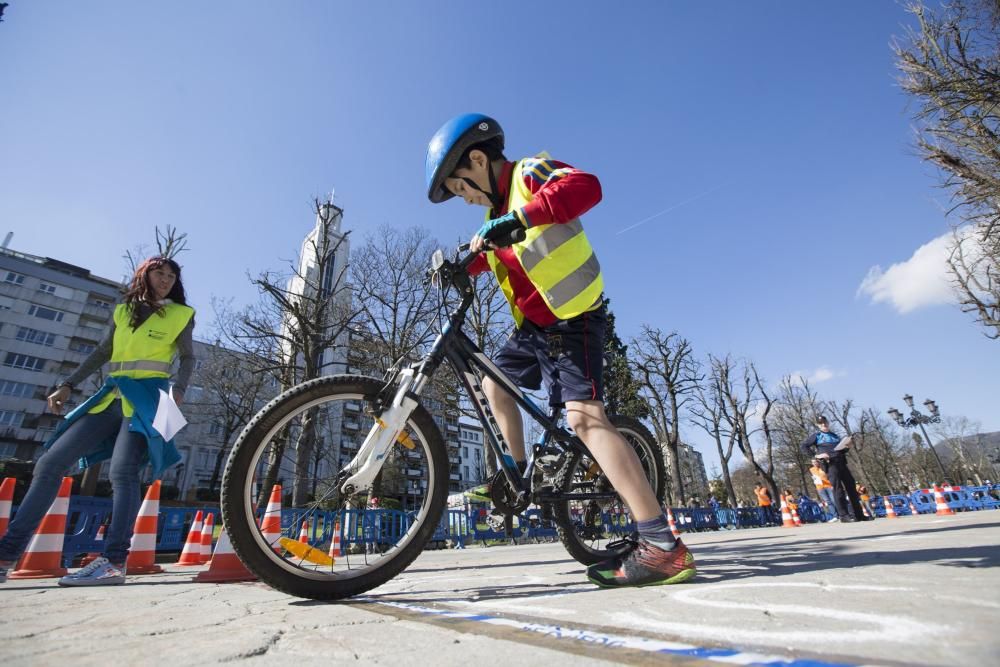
(831,450)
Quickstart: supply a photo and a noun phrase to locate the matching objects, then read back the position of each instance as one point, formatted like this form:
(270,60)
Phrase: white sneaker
(100,572)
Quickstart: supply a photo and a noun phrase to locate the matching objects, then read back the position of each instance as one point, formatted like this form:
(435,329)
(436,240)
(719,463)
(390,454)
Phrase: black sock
(521,466)
(657,530)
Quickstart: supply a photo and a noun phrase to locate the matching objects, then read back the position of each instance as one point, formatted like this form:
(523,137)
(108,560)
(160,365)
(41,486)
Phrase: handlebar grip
(515,236)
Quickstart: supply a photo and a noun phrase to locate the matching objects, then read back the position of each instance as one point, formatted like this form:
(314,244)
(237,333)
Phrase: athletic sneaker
(4,566)
(100,572)
(478,494)
(645,565)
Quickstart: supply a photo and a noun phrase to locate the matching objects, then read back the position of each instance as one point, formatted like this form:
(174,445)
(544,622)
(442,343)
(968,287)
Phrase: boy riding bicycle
(553,284)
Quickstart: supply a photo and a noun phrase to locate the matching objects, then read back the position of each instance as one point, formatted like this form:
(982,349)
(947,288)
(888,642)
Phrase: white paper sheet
(168,420)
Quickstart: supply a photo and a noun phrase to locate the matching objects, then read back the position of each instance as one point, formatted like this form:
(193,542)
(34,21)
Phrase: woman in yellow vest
(150,327)
(534,243)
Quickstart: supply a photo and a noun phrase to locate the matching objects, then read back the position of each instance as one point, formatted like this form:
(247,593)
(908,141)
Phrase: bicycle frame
(470,363)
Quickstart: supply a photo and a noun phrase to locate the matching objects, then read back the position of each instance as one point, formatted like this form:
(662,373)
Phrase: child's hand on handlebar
(496,230)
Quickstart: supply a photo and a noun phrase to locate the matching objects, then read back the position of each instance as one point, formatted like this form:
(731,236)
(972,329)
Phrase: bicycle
(294,434)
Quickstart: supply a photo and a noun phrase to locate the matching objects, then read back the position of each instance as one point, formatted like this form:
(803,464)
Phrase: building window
(24,361)
(16,389)
(465,452)
(85,348)
(14,278)
(215,429)
(47,288)
(35,336)
(45,313)
(11,418)
(99,304)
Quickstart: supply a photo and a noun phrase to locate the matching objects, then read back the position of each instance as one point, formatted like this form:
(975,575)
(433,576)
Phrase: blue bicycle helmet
(449,144)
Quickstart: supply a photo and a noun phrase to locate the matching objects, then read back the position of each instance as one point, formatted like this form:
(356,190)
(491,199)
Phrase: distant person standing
(764,502)
(830,448)
(824,489)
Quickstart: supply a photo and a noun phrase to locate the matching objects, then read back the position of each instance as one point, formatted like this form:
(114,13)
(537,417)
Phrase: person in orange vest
(150,328)
(534,243)
(764,502)
(865,498)
(824,489)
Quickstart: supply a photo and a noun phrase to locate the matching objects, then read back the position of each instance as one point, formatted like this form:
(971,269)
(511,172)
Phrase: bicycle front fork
(383,433)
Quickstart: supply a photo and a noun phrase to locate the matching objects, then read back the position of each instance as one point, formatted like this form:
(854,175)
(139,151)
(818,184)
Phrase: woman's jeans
(826,495)
(84,436)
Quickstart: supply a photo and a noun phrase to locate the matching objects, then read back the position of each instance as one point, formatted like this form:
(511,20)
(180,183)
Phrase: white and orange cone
(942,504)
(142,551)
(191,554)
(890,513)
(94,555)
(207,533)
(225,565)
(673,525)
(913,508)
(335,550)
(270,525)
(786,516)
(304,533)
(6,502)
(795,516)
(43,557)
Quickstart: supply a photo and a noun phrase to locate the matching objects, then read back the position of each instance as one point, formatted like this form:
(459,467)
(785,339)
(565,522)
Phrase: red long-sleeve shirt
(559,193)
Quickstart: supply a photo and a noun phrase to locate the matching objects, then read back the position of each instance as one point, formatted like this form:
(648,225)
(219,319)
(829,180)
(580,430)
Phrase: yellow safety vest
(147,352)
(557,258)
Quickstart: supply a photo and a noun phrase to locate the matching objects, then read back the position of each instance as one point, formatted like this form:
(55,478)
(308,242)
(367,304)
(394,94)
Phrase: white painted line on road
(859,626)
(731,656)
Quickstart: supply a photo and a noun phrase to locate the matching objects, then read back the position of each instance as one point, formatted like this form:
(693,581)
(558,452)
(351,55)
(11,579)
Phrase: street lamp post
(918,419)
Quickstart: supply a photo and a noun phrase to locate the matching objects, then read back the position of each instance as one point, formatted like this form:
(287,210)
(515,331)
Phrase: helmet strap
(493,196)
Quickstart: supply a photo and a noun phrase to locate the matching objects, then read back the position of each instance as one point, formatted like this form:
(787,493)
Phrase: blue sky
(771,139)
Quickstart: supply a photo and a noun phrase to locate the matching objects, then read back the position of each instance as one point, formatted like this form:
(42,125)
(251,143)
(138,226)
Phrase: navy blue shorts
(568,355)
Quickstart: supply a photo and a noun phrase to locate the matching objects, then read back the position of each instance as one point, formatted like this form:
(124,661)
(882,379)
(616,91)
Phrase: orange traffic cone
(795,516)
(270,526)
(672,524)
(942,504)
(6,502)
(304,533)
(142,551)
(786,517)
(890,513)
(207,533)
(191,555)
(913,508)
(43,557)
(225,565)
(335,549)
(94,555)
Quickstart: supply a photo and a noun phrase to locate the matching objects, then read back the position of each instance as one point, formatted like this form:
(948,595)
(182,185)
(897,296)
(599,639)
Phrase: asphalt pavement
(915,590)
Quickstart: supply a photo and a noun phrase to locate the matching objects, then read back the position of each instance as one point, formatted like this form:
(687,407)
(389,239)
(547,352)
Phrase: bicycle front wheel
(300,443)
(595,530)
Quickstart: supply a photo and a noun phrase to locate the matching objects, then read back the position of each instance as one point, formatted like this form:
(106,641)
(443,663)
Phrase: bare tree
(711,413)
(766,468)
(232,390)
(300,324)
(667,373)
(950,64)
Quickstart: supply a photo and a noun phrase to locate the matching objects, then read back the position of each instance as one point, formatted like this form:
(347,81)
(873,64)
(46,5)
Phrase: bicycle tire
(572,534)
(238,506)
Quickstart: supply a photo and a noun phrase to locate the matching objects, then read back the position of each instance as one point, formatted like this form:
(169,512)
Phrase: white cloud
(821,374)
(920,281)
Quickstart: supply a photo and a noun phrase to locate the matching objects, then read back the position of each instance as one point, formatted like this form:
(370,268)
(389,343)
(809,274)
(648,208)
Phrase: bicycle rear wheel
(595,530)
(304,439)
